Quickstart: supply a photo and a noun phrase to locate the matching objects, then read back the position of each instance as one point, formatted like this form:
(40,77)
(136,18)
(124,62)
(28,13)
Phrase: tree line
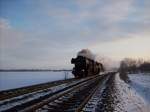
(134,65)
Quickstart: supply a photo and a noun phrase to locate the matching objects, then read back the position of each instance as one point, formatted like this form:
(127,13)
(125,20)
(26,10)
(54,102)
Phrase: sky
(48,33)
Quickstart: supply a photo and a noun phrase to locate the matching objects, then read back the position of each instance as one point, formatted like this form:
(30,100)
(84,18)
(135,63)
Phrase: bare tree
(129,65)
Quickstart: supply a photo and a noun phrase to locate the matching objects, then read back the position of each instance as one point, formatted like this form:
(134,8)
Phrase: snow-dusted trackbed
(116,95)
(23,101)
(16,102)
(73,99)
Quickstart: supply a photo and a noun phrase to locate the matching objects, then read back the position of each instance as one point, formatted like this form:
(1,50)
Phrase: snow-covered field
(11,80)
(141,84)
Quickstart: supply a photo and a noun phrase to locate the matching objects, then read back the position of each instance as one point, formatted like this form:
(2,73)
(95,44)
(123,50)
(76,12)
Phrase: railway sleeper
(71,102)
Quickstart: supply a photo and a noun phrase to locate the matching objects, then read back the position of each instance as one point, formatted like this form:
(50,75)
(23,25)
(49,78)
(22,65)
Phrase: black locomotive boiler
(85,65)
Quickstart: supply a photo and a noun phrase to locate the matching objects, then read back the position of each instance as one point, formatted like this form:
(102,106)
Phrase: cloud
(53,32)
(10,41)
(92,19)
(10,38)
(4,24)
(117,11)
(19,49)
(134,46)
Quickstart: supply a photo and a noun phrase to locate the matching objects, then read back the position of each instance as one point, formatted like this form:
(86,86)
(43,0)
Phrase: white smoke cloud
(86,53)
(107,62)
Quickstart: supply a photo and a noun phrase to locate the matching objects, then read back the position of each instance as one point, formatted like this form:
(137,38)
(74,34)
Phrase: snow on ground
(93,102)
(9,103)
(12,80)
(141,83)
(129,98)
(120,96)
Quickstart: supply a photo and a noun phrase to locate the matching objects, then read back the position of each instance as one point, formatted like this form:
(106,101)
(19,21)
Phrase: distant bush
(145,67)
(134,66)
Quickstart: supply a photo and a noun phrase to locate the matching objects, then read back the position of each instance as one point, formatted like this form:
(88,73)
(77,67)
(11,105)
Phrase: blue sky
(48,33)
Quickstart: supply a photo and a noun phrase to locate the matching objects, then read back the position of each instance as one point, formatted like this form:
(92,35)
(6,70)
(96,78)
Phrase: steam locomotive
(85,65)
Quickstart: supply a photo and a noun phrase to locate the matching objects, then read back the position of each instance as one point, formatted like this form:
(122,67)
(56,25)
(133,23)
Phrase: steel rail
(58,95)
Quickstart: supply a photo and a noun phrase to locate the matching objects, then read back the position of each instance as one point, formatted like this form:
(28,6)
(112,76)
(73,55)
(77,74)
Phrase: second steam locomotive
(85,64)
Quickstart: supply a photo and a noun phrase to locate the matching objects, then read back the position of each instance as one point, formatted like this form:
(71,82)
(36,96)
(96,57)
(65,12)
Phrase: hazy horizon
(47,34)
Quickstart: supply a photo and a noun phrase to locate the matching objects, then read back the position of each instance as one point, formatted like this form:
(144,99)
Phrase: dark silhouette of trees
(123,71)
(145,67)
(129,65)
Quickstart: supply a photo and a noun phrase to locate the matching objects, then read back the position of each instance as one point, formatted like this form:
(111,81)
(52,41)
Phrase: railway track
(70,97)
